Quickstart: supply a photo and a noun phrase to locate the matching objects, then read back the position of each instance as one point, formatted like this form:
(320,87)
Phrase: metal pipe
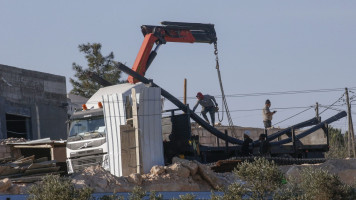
(180,105)
(221,135)
(313,129)
(309,122)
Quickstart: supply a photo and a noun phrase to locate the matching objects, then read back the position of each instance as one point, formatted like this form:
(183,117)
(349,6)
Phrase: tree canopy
(338,143)
(103,66)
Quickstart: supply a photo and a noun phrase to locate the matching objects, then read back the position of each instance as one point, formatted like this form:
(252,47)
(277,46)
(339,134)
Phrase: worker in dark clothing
(208,104)
(245,149)
(264,145)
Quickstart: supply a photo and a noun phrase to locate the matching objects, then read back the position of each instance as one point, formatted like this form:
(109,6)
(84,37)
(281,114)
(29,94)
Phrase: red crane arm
(171,32)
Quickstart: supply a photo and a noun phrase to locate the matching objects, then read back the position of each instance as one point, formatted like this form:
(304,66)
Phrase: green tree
(338,144)
(104,66)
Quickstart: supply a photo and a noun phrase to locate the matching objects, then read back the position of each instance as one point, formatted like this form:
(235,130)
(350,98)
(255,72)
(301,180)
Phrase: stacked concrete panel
(123,157)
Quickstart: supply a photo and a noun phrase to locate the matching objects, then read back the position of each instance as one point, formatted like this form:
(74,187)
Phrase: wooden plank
(24,160)
(33,146)
(41,170)
(32,178)
(42,164)
(6,159)
(22,163)
(3,168)
(10,171)
(43,159)
(137,134)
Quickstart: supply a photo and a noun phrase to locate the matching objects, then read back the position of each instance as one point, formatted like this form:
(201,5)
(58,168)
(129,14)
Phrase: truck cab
(86,143)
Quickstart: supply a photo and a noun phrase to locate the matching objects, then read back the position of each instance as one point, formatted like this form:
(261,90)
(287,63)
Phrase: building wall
(208,139)
(37,96)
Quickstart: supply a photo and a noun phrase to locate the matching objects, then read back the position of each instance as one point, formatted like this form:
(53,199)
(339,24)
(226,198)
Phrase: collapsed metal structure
(314,121)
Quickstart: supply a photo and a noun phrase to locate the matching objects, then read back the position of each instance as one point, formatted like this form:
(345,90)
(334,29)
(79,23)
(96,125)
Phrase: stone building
(33,105)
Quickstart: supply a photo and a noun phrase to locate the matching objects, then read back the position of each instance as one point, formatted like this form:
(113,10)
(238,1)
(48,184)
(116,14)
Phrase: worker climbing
(208,104)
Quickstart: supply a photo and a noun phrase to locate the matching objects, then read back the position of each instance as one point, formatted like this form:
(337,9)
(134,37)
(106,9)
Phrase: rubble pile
(182,175)
(344,168)
(11,140)
(27,169)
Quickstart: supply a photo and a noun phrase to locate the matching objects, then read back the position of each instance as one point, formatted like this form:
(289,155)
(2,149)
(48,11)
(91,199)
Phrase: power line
(293,115)
(281,92)
(333,103)
(260,109)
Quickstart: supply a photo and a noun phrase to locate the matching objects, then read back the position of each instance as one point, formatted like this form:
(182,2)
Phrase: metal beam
(313,129)
(181,106)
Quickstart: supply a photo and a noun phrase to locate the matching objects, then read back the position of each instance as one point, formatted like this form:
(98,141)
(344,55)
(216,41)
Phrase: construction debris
(28,169)
(344,168)
(182,175)
(11,140)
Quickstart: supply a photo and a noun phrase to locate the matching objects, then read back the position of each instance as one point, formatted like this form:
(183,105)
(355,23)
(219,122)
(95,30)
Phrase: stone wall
(9,152)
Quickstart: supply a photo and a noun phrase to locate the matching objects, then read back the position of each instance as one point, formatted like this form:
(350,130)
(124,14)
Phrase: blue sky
(264,46)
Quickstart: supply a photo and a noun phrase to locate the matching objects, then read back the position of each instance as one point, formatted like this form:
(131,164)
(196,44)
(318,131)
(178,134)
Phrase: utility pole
(185,92)
(317,111)
(351,135)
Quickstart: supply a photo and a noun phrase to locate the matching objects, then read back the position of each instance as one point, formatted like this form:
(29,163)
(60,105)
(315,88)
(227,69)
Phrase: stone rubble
(182,175)
(11,140)
(344,168)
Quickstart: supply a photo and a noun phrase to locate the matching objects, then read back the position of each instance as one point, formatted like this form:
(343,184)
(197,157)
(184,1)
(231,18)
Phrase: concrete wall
(208,139)
(37,96)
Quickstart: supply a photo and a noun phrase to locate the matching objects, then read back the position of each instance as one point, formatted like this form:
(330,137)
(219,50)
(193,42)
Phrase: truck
(87,143)
(95,131)
(95,136)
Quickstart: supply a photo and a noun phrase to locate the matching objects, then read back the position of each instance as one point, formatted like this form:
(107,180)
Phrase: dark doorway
(17,126)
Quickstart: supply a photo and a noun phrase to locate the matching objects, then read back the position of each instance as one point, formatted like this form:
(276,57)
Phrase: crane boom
(169,32)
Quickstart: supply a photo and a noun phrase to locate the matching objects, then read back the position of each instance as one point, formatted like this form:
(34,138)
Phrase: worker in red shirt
(208,104)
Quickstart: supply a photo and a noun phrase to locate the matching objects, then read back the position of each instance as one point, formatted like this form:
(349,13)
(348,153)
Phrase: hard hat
(200,95)
(248,133)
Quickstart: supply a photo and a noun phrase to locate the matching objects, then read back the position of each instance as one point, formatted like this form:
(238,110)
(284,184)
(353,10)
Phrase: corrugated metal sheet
(40,141)
(114,116)
(123,89)
(150,126)
(149,116)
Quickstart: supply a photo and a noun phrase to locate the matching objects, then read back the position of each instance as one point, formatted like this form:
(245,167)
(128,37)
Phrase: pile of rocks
(7,187)
(182,175)
(11,140)
(344,168)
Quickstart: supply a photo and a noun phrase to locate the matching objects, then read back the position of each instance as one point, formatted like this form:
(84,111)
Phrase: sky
(266,49)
